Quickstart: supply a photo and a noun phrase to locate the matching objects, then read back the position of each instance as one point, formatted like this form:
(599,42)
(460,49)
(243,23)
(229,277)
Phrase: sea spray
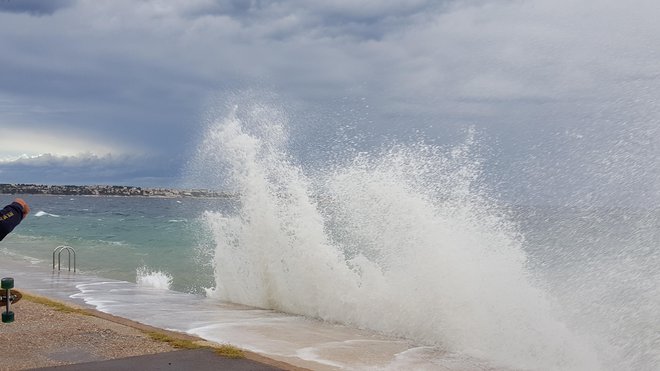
(402,240)
(146,277)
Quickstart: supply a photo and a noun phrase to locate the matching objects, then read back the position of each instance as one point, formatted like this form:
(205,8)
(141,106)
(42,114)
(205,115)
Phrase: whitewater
(394,257)
(403,240)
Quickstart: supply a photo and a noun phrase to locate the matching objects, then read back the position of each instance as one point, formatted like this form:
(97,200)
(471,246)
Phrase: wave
(20,257)
(115,243)
(43,213)
(403,241)
(153,279)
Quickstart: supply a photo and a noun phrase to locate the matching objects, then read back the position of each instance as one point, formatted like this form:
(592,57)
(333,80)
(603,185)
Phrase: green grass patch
(55,305)
(229,351)
(226,350)
(177,343)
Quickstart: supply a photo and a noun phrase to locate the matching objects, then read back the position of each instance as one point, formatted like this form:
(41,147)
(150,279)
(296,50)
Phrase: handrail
(59,250)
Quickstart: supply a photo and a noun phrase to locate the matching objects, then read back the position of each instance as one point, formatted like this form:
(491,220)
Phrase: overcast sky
(116,91)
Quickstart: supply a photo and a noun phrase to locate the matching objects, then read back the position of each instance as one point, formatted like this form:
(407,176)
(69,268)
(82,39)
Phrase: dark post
(7,285)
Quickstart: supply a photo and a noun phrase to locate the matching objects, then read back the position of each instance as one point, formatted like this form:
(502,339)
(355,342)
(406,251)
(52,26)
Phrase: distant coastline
(107,190)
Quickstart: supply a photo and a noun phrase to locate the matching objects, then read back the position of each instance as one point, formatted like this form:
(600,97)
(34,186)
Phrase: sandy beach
(50,333)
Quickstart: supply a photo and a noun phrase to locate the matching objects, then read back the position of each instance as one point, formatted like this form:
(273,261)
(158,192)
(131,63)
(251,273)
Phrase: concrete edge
(172,334)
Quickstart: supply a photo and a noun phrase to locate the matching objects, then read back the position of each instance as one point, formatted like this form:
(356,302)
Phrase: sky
(116,92)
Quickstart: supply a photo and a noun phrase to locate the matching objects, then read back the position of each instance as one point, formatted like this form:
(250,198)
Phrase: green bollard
(7,284)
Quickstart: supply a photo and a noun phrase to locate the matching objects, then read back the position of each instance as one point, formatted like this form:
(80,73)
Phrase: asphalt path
(196,359)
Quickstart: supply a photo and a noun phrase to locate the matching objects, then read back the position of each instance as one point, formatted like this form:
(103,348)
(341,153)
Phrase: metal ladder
(58,250)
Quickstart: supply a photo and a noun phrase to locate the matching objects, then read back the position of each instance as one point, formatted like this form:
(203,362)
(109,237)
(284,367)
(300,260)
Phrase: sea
(391,259)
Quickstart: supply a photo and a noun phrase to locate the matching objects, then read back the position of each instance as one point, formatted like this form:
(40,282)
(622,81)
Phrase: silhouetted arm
(11,216)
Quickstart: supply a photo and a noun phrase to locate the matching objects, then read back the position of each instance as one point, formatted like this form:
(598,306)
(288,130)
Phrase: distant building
(106,190)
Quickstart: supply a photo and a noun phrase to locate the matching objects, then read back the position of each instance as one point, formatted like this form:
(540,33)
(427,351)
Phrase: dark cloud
(337,18)
(87,168)
(142,73)
(34,7)
(232,8)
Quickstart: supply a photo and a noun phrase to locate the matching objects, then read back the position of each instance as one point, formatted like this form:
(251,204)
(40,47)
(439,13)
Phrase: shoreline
(109,190)
(49,332)
(48,313)
(27,195)
(296,341)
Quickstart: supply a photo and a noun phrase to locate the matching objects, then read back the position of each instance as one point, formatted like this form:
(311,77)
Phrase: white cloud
(30,143)
(88,168)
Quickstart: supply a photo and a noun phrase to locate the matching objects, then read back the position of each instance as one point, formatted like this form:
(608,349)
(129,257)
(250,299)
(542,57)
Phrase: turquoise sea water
(115,237)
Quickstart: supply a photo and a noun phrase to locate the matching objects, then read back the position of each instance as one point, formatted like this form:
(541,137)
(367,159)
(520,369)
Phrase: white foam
(153,279)
(43,213)
(401,241)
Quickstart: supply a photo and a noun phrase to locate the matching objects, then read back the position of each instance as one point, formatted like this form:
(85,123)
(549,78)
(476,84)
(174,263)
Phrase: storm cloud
(138,75)
(34,7)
